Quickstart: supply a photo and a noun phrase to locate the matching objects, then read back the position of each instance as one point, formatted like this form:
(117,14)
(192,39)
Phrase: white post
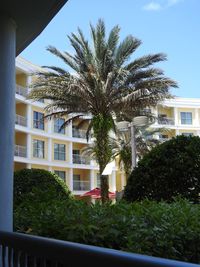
(7,120)
(29,116)
(28,146)
(92,178)
(176,121)
(113,181)
(71,179)
(70,151)
(50,149)
(133,146)
(196,117)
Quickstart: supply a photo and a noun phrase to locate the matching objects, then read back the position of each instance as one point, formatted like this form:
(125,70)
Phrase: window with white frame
(59,152)
(61,174)
(57,124)
(38,120)
(186,118)
(38,149)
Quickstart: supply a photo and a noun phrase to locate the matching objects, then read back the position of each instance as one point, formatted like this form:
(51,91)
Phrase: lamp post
(123,126)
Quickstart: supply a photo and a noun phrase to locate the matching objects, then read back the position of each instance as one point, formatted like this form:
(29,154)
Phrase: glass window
(187,134)
(38,120)
(76,182)
(57,124)
(38,149)
(186,117)
(59,152)
(61,174)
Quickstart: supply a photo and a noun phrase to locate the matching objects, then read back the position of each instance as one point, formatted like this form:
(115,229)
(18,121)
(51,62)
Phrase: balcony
(20,90)
(20,120)
(165,121)
(79,185)
(26,250)
(79,159)
(20,151)
(77,133)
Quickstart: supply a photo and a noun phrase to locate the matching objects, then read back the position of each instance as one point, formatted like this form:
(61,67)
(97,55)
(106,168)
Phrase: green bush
(168,230)
(169,170)
(38,186)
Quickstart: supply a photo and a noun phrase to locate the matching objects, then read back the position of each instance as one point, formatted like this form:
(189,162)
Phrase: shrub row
(151,228)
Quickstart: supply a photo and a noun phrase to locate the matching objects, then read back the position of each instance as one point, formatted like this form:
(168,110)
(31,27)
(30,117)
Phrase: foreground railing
(81,185)
(20,151)
(30,251)
(20,90)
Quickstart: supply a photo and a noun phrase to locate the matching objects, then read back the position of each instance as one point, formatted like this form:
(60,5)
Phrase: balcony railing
(32,251)
(20,90)
(20,120)
(81,185)
(79,159)
(79,133)
(165,120)
(20,151)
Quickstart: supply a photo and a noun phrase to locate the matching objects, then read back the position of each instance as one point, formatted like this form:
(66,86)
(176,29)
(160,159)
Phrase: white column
(50,169)
(113,181)
(50,149)
(177,132)
(71,179)
(176,122)
(29,116)
(196,122)
(49,125)
(29,146)
(69,129)
(92,179)
(7,120)
(28,82)
(70,151)
(28,165)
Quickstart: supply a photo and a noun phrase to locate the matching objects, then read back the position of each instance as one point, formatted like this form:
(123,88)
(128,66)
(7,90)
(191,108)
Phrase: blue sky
(169,26)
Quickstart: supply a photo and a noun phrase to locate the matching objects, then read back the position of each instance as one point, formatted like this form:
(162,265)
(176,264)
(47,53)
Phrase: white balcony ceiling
(30,16)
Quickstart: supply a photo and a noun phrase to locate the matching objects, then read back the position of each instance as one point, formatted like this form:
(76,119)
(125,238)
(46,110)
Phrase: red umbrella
(96,193)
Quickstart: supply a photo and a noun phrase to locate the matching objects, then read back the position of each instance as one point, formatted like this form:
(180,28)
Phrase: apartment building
(180,115)
(40,144)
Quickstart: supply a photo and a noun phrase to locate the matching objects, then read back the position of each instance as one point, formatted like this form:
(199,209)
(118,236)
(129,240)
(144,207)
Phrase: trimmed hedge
(38,186)
(169,170)
(158,229)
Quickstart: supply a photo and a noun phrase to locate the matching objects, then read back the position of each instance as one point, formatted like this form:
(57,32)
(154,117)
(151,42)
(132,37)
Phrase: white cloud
(152,6)
(155,6)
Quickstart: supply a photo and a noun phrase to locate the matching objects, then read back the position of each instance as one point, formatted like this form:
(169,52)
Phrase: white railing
(79,159)
(20,120)
(79,133)
(165,121)
(20,151)
(81,185)
(20,90)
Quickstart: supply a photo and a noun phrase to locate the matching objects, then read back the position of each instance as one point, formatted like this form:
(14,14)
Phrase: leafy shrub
(169,170)
(157,229)
(38,186)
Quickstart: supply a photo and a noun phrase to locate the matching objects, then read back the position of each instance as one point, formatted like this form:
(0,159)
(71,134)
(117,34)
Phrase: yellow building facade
(39,144)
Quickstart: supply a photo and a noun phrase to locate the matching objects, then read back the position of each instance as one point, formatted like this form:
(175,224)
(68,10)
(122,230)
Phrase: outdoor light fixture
(124,126)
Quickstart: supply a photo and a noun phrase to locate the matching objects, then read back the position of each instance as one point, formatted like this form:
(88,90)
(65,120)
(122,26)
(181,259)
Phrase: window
(98,180)
(57,124)
(186,117)
(38,120)
(59,152)
(76,182)
(187,134)
(38,149)
(61,174)
(76,156)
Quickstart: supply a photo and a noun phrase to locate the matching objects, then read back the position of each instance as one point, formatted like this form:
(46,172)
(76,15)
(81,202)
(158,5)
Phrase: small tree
(38,186)
(170,169)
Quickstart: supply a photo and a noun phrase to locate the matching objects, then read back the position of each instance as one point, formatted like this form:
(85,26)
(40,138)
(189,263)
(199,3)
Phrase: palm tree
(103,83)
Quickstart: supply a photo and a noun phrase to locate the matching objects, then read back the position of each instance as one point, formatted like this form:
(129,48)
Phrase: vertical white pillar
(70,152)
(50,169)
(92,178)
(69,129)
(196,122)
(177,132)
(28,165)
(176,120)
(49,125)
(123,180)
(29,146)
(29,116)
(49,149)
(113,181)
(7,119)
(71,179)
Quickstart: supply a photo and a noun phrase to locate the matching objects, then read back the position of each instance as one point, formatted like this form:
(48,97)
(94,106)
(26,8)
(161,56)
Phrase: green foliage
(157,229)
(38,185)
(169,170)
